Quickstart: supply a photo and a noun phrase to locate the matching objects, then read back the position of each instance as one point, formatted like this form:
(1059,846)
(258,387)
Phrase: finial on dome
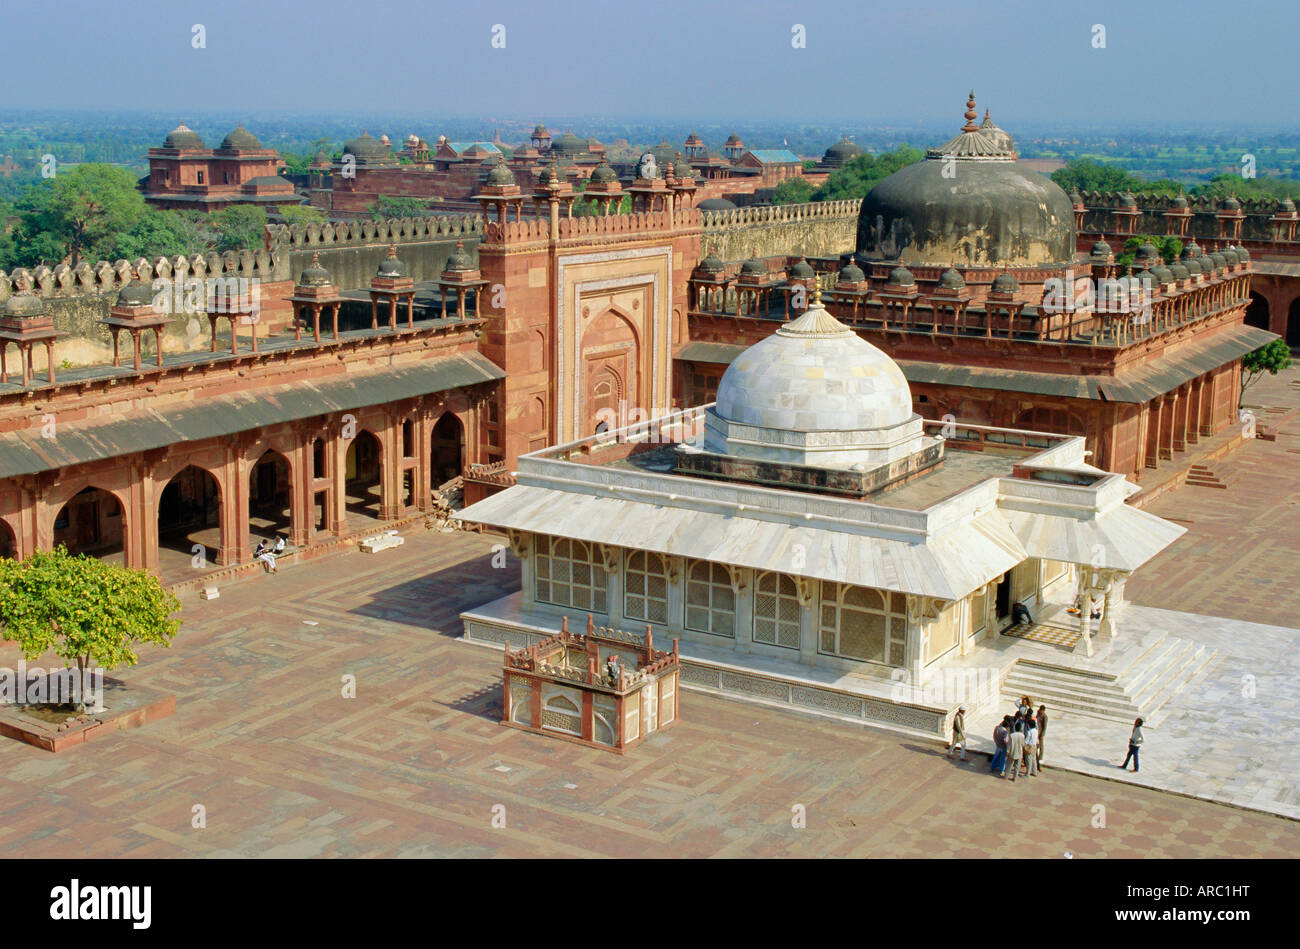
(817,293)
(970,125)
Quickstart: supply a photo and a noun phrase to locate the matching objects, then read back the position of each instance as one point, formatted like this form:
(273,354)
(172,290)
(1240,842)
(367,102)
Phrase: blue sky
(864,62)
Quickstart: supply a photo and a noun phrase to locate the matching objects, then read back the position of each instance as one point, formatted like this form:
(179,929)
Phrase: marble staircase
(1139,682)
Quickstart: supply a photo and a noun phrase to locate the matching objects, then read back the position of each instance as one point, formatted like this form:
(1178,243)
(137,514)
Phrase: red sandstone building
(326,433)
(184,174)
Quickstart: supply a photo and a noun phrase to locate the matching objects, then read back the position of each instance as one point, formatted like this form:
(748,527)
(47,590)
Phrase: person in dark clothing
(1019,614)
(1042,732)
(1000,736)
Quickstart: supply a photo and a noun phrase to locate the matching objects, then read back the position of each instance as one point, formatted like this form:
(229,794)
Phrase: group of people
(266,552)
(1019,740)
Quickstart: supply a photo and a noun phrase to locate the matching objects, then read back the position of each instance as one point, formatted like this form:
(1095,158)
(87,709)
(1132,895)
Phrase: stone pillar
(742,582)
(1085,611)
(809,625)
(300,493)
(612,560)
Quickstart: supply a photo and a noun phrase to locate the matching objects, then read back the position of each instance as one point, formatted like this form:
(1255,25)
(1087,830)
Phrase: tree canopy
(1270,359)
(76,212)
(859,174)
(391,205)
(83,609)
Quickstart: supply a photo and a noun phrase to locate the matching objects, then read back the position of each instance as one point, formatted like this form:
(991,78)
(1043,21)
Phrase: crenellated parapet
(298,237)
(1204,217)
(102,277)
(780,213)
(816,229)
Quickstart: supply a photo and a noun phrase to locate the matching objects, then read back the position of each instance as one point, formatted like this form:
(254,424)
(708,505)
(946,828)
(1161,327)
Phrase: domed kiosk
(813,406)
(968,204)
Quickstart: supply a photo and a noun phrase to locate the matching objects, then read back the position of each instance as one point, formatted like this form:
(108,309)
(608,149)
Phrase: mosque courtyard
(417,765)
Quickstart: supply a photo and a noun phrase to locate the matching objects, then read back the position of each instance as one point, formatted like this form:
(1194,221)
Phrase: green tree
(1270,359)
(392,205)
(301,214)
(159,234)
(83,609)
(793,191)
(860,173)
(62,217)
(1087,174)
(239,227)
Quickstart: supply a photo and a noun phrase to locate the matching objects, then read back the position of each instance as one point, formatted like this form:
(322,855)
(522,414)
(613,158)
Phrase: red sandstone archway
(93,521)
(189,517)
(363,475)
(1293,324)
(8,543)
(448,449)
(270,494)
(1257,313)
(611,372)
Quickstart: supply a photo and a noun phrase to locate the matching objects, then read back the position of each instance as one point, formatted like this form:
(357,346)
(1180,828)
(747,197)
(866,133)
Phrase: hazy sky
(1218,62)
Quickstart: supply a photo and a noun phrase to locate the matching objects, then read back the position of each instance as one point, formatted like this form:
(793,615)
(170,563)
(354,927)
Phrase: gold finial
(817,292)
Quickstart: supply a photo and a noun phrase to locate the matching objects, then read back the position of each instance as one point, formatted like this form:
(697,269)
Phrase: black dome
(991,213)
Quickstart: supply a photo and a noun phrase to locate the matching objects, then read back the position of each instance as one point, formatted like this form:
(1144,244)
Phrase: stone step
(1080,704)
(1047,677)
(1161,670)
(1194,665)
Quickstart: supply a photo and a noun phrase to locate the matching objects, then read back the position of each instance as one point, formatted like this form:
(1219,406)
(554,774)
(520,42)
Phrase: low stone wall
(818,229)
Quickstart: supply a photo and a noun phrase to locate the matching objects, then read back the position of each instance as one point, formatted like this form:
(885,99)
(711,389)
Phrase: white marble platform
(1233,735)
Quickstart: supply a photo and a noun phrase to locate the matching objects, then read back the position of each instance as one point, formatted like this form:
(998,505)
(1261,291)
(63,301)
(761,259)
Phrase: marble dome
(814,393)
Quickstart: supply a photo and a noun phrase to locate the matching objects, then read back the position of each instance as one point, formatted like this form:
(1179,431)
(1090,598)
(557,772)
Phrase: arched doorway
(189,516)
(610,380)
(362,475)
(8,543)
(1257,312)
(92,522)
(270,488)
(1293,324)
(448,449)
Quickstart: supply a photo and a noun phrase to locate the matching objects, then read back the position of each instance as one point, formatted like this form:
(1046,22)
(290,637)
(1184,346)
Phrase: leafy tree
(83,609)
(793,191)
(1168,245)
(239,227)
(1270,359)
(860,173)
(62,217)
(391,205)
(1087,174)
(301,214)
(159,234)
(296,164)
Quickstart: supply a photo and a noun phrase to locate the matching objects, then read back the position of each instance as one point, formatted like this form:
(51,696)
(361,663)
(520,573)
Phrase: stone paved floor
(1233,735)
(1243,537)
(414,765)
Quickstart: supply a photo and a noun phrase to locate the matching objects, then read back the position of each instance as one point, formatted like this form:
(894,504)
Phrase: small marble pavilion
(813,542)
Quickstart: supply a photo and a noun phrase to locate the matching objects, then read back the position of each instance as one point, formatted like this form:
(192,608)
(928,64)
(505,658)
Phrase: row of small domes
(1128,200)
(184,138)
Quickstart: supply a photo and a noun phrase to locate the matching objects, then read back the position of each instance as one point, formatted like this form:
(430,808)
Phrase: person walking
(1000,735)
(1015,751)
(959,732)
(1031,748)
(1134,743)
(1042,733)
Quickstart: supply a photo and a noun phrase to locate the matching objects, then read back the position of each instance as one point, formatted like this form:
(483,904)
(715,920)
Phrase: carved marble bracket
(923,609)
(610,556)
(521,543)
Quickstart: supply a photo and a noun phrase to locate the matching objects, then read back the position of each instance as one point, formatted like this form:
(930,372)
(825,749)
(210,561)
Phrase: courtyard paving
(417,765)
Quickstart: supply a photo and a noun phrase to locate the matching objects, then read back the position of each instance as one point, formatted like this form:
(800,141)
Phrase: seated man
(279,545)
(1019,614)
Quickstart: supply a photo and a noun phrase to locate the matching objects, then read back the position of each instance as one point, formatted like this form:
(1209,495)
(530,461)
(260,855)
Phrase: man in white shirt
(1031,748)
